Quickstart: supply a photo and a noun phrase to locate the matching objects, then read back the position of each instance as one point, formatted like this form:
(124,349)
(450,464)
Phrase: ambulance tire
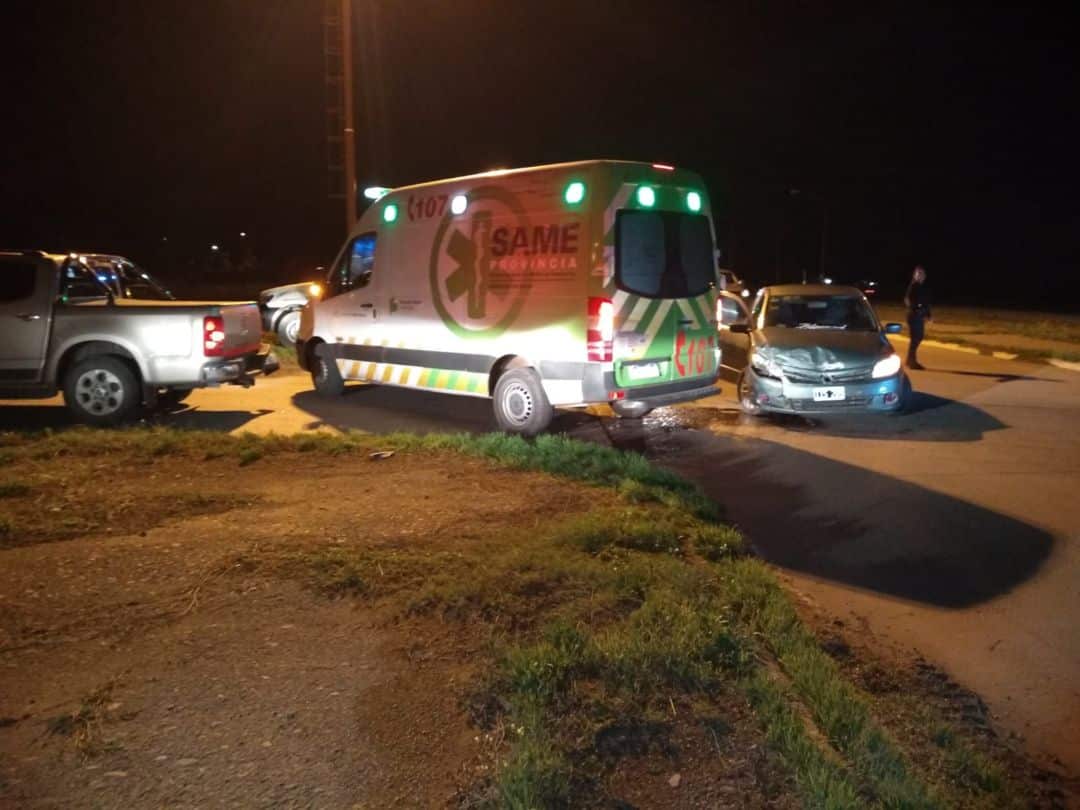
(520,404)
(326,377)
(633,410)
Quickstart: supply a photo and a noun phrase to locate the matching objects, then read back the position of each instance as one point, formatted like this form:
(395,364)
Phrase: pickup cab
(64,328)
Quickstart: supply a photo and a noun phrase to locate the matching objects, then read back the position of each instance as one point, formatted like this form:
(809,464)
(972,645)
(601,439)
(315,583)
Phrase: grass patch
(823,781)
(836,706)
(249,455)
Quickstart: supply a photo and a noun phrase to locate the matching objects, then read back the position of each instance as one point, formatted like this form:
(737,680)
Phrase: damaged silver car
(812,349)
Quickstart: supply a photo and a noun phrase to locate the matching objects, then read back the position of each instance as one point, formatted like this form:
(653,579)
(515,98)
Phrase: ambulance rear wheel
(630,410)
(326,377)
(521,406)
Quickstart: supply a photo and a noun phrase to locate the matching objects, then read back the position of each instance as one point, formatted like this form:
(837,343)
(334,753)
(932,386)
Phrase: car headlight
(765,365)
(886,366)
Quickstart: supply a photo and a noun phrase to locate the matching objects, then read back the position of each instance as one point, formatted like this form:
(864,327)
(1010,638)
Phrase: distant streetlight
(798,192)
(213,247)
(243,234)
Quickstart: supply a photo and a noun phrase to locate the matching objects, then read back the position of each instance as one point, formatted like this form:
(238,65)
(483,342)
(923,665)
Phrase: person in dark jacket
(917,301)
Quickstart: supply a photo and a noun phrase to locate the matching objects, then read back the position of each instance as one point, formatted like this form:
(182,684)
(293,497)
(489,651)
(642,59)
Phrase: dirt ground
(161,667)
(202,645)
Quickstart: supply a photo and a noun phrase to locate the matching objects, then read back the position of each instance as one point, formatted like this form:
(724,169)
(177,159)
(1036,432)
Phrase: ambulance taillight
(600,331)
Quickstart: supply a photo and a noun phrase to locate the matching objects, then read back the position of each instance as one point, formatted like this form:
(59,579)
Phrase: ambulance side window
(356,266)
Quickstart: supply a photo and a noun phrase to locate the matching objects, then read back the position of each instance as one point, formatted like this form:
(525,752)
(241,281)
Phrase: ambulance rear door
(664,305)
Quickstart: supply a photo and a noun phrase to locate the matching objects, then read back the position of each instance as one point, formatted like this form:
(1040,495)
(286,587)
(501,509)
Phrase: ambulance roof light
(693,201)
(664,167)
(389,213)
(646,196)
(375,192)
(575,193)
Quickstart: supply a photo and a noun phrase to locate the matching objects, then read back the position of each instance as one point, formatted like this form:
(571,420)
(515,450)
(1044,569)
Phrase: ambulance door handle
(368,305)
(685,321)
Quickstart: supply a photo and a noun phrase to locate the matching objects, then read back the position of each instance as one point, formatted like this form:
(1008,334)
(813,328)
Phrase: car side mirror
(893,328)
(741,328)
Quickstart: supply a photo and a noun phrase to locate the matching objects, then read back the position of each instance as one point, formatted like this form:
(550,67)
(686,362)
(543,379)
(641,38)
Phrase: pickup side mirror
(893,329)
(741,328)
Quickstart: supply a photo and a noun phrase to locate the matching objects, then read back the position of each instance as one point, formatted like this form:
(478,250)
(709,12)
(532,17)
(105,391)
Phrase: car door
(352,295)
(355,305)
(734,348)
(26,292)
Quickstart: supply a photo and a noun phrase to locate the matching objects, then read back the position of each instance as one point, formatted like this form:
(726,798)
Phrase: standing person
(917,301)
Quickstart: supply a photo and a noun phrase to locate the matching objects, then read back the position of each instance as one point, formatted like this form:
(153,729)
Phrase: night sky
(946,137)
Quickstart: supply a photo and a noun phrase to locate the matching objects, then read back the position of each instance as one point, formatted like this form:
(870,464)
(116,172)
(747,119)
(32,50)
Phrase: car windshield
(820,312)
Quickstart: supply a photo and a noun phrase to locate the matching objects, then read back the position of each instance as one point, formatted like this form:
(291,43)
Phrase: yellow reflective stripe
(403,378)
(369,373)
(388,372)
(441,379)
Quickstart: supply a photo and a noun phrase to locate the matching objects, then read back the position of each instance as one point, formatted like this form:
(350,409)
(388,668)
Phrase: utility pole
(350,124)
(340,126)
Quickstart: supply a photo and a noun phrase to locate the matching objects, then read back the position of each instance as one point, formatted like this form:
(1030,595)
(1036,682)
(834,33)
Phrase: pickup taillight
(600,330)
(213,336)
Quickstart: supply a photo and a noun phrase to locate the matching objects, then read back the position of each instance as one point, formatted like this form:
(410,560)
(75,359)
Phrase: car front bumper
(782,396)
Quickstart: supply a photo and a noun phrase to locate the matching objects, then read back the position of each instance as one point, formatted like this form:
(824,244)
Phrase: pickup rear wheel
(325,376)
(521,406)
(101,390)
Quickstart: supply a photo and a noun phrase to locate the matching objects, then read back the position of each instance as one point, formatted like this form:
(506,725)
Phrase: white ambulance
(563,285)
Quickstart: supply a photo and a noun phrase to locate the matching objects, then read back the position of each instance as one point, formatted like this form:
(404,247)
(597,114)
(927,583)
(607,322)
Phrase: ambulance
(571,284)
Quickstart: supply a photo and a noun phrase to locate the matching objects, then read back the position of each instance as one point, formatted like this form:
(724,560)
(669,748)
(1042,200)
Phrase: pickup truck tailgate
(243,328)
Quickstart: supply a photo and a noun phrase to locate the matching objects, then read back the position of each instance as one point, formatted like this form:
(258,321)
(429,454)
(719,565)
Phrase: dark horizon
(944,137)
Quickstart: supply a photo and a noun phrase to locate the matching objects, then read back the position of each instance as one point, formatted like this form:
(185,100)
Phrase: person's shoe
(915,364)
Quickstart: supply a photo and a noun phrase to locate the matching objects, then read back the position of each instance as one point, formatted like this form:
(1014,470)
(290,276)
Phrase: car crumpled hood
(821,348)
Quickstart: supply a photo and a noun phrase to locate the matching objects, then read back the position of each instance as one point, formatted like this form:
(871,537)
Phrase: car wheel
(520,404)
(326,377)
(630,410)
(102,391)
(745,393)
(288,328)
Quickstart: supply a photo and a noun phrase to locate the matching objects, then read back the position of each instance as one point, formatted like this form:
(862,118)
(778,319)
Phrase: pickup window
(77,282)
(18,281)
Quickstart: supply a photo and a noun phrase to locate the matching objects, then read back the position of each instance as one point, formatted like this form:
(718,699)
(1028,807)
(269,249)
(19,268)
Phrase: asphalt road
(952,531)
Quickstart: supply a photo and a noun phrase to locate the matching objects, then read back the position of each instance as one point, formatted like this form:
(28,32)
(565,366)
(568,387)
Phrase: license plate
(642,371)
(831,394)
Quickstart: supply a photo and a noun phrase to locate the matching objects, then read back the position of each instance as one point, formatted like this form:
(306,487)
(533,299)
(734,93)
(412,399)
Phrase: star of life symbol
(476,277)
(474,296)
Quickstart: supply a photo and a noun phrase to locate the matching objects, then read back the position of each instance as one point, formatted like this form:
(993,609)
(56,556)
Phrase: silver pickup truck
(63,328)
